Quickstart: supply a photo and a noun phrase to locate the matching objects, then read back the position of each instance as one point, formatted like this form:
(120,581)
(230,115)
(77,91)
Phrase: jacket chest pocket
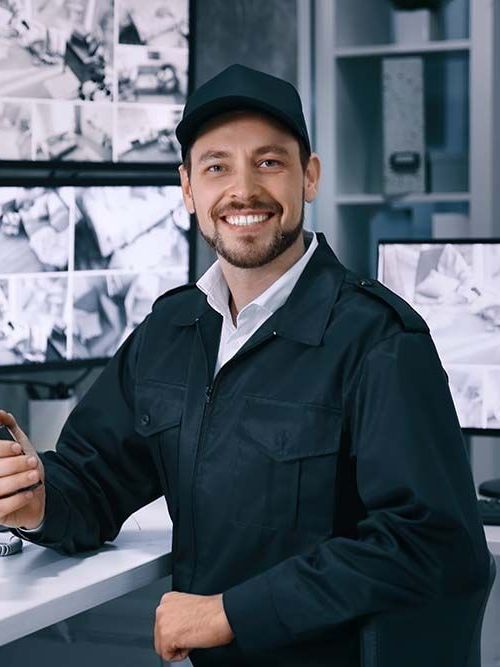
(158,416)
(285,468)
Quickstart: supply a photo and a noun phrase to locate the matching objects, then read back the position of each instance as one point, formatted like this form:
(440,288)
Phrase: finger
(6,437)
(9,448)
(19,434)
(169,654)
(17,482)
(13,504)
(174,653)
(31,487)
(10,465)
(6,418)
(180,654)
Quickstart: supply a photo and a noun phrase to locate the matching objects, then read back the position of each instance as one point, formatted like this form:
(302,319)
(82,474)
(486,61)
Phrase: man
(296,418)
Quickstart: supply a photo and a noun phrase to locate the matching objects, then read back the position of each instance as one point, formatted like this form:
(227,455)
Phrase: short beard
(252,259)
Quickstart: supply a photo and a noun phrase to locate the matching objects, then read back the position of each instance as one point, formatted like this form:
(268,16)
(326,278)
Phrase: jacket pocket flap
(158,406)
(288,431)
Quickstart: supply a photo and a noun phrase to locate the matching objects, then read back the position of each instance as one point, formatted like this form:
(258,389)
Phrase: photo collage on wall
(80,267)
(92,80)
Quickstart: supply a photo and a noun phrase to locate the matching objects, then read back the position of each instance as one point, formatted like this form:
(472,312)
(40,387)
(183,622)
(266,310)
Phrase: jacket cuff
(55,521)
(253,618)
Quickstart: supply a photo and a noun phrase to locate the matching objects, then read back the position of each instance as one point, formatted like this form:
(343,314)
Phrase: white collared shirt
(255,313)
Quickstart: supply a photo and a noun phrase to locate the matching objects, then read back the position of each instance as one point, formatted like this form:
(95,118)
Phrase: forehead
(243,129)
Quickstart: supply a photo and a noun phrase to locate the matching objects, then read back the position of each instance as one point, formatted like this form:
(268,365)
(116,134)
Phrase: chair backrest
(445,633)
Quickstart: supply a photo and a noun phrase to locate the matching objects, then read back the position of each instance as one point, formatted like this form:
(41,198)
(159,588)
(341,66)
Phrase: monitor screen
(92,81)
(81,266)
(455,286)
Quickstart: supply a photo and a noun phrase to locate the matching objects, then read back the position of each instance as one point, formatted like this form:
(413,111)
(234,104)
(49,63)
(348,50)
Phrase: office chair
(444,633)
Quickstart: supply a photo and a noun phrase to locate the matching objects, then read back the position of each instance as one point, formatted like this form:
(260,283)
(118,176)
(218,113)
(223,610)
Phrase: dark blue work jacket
(320,477)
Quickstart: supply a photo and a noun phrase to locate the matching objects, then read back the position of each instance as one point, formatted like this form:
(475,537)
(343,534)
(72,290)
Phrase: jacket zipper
(209,395)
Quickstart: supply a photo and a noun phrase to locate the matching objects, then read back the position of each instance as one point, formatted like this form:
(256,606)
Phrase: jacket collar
(305,314)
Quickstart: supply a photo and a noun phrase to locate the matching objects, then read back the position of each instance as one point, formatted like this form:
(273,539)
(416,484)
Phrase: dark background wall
(257,33)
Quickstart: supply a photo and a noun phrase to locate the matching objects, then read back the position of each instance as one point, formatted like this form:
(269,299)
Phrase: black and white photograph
(65,64)
(456,289)
(126,246)
(132,228)
(147,134)
(159,23)
(69,131)
(107,307)
(33,319)
(34,229)
(98,318)
(15,130)
(61,49)
(152,75)
(139,291)
(468,392)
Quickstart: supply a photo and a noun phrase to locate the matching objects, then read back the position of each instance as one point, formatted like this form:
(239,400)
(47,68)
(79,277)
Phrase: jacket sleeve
(101,471)
(421,536)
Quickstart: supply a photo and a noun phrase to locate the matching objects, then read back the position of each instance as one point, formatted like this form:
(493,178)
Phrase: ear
(187,195)
(311,177)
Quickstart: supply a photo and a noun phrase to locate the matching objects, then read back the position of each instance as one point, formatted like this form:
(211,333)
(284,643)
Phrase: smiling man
(246,178)
(295,416)
(250,222)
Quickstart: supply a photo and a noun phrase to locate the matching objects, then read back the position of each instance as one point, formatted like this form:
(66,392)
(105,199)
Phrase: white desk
(40,587)
(493,537)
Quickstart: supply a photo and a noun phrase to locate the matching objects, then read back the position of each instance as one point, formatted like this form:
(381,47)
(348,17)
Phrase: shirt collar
(214,285)
(306,313)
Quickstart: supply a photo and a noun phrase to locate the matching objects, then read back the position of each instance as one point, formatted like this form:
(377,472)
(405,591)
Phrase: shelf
(400,49)
(424,198)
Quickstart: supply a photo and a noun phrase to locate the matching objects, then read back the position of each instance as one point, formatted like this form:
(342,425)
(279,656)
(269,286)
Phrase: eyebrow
(213,155)
(272,148)
(278,149)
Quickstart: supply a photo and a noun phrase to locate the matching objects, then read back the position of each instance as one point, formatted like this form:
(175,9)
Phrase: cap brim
(188,128)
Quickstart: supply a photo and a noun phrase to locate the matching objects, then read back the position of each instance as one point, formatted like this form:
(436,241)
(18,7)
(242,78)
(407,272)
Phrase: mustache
(255,204)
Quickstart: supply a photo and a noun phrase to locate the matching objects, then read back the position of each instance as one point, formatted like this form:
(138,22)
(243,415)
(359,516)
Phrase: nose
(244,184)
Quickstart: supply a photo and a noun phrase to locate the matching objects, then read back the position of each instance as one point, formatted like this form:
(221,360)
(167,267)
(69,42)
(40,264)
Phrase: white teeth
(246,219)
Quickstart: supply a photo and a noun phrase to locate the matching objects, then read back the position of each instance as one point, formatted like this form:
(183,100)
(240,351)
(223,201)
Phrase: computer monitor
(81,266)
(455,286)
(94,81)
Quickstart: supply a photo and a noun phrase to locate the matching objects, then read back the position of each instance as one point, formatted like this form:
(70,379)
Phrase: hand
(185,621)
(20,467)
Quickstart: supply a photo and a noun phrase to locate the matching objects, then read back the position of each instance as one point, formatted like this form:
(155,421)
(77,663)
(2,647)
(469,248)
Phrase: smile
(244,220)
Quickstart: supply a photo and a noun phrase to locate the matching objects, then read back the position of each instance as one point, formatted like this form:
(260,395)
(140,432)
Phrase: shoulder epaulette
(409,317)
(174,290)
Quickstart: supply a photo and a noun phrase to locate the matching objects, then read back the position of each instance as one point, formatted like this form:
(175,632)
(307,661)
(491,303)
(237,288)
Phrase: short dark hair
(304,156)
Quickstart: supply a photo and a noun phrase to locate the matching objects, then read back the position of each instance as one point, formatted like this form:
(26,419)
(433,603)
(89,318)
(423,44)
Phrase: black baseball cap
(242,88)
